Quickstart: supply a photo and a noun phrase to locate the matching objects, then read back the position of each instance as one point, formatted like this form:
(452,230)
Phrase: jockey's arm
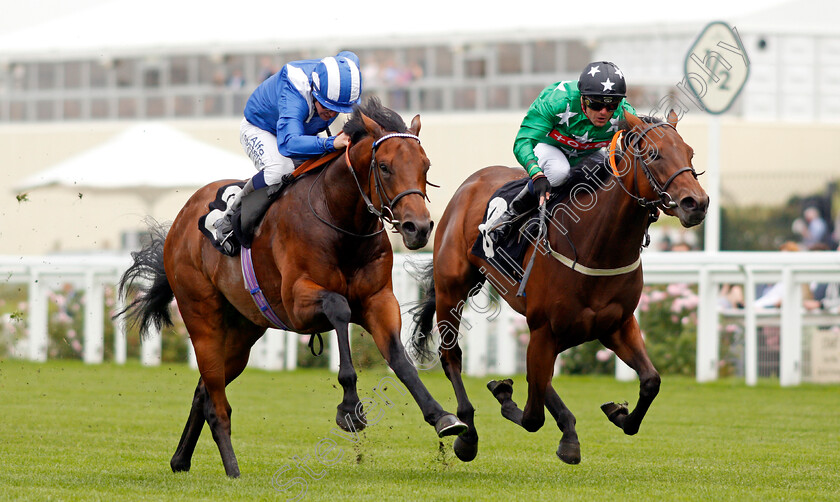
(292,140)
(538,122)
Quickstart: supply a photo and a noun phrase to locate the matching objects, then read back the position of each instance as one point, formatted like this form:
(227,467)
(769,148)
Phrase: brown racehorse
(322,260)
(565,307)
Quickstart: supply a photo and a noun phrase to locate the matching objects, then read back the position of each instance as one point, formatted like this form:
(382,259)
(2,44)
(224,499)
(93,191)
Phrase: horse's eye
(383,167)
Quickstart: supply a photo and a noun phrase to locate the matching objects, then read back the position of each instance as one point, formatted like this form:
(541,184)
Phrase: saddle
(248,217)
(508,256)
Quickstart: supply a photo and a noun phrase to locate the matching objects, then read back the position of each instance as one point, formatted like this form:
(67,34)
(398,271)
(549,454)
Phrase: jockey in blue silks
(285,114)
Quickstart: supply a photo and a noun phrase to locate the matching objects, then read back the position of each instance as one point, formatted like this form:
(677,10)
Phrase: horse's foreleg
(569,449)
(311,303)
(350,413)
(182,458)
(382,320)
(629,346)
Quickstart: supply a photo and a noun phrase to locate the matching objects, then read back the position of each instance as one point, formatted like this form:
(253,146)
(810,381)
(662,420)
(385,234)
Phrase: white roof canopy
(148,160)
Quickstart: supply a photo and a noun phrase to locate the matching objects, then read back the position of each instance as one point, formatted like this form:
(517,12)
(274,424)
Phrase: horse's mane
(624,126)
(373,109)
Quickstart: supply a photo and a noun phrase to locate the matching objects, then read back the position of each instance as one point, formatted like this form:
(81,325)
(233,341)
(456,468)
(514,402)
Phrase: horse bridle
(665,201)
(387,204)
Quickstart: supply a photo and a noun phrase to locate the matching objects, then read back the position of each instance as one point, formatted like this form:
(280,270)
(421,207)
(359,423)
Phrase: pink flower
(604,355)
(676,289)
(658,296)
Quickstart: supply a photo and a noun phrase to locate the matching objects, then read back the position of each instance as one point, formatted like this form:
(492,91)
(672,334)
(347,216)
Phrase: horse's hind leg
(569,449)
(182,458)
(540,366)
(628,345)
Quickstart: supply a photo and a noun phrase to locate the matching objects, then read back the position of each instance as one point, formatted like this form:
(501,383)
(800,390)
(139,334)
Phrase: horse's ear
(672,118)
(415,125)
(372,127)
(633,121)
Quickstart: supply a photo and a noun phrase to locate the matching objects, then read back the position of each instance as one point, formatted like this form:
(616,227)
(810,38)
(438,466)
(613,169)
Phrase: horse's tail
(148,277)
(423,311)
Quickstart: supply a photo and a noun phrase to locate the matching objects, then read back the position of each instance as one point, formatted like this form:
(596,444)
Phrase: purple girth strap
(256,292)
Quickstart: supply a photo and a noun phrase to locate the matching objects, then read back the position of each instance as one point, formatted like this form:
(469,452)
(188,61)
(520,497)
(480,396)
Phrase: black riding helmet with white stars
(602,80)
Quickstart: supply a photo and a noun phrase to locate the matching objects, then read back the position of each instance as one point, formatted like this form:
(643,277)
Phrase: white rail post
(707,336)
(274,341)
(150,347)
(291,350)
(624,373)
(332,341)
(93,351)
(790,343)
(505,325)
(473,334)
(750,330)
(406,290)
(119,331)
(37,318)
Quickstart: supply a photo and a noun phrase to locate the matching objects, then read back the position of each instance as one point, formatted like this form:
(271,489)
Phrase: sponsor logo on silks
(577,145)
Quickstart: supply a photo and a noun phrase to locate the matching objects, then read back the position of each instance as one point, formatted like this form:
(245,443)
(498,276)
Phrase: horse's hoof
(464,450)
(501,387)
(613,411)
(569,452)
(179,466)
(449,425)
(349,422)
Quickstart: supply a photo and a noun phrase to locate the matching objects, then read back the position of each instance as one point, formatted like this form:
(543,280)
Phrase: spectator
(813,229)
(772,295)
(825,296)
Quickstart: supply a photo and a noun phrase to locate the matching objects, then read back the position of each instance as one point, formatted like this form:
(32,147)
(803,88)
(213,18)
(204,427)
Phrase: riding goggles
(596,105)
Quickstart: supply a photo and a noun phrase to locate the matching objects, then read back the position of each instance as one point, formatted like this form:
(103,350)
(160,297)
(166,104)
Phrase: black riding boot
(520,204)
(224,225)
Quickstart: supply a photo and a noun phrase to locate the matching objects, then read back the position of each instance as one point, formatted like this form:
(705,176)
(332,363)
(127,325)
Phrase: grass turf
(106,432)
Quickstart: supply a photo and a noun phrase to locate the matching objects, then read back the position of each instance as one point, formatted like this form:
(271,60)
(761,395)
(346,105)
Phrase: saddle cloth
(506,256)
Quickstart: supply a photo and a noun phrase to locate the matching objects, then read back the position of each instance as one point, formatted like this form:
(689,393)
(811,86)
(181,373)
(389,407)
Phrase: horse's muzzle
(692,210)
(416,234)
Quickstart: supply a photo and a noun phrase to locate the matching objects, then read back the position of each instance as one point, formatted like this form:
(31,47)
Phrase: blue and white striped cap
(337,82)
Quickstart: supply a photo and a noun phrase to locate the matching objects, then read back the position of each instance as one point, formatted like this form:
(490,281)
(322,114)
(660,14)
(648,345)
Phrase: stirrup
(223,226)
(501,228)
(226,244)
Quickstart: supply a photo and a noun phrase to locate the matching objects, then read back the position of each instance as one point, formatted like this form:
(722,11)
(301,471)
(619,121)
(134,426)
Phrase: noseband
(665,201)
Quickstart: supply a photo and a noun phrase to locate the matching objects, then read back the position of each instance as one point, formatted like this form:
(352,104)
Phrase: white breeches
(261,148)
(553,163)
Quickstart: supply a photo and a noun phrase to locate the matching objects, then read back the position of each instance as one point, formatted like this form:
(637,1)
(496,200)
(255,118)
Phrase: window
(509,58)
(544,54)
(72,109)
(47,78)
(73,74)
(443,62)
(99,74)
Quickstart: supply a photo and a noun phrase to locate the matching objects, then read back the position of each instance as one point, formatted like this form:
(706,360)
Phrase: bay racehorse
(585,280)
(322,260)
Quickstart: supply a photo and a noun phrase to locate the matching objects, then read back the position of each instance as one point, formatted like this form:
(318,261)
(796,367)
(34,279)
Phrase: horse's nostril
(688,204)
(409,227)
